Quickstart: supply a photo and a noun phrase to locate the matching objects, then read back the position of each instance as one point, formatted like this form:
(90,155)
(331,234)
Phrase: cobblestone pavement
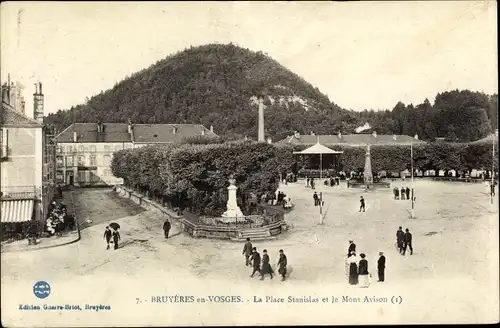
(455,262)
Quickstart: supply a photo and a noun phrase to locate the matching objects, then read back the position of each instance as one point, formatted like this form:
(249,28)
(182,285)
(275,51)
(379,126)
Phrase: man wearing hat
(381,267)
(255,258)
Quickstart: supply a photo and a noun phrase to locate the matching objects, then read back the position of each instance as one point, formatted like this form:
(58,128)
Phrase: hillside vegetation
(219,84)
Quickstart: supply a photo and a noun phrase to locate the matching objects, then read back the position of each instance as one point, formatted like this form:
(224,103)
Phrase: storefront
(16,217)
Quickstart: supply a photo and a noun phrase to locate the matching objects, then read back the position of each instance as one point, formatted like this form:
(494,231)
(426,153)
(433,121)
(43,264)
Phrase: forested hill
(216,85)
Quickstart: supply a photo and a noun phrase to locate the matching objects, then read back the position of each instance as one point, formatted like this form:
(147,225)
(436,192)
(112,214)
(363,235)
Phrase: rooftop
(9,117)
(351,139)
(142,133)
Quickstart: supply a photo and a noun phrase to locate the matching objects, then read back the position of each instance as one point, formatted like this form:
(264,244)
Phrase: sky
(363,55)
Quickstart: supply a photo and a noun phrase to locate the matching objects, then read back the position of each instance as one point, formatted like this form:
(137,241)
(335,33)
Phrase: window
(107,172)
(81,148)
(69,161)
(61,149)
(81,160)
(59,160)
(92,160)
(107,160)
(92,149)
(4,139)
(106,149)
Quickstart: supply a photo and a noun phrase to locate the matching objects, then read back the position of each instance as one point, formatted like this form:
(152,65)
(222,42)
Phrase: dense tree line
(194,174)
(213,85)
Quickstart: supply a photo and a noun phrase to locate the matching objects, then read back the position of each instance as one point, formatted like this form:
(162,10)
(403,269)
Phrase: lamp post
(412,184)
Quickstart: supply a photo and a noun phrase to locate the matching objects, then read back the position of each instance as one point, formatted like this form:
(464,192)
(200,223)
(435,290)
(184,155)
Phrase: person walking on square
(407,193)
(255,258)
(107,236)
(316,199)
(381,267)
(396,193)
(400,239)
(282,263)
(116,238)
(312,183)
(364,278)
(403,193)
(353,269)
(352,248)
(407,241)
(307,183)
(362,204)
(247,251)
(166,228)
(266,267)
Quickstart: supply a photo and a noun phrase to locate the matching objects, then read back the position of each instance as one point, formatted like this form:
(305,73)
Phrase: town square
(213,186)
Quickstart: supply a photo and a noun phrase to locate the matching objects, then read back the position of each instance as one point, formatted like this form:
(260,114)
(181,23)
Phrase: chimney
(174,130)
(269,140)
(75,137)
(202,131)
(312,133)
(296,134)
(339,135)
(394,137)
(374,134)
(261,120)
(212,128)
(130,127)
(38,103)
(416,136)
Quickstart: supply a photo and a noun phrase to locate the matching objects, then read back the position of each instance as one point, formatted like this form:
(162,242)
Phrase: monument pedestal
(233,211)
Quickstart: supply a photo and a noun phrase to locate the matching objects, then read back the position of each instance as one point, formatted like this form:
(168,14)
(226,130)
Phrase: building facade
(27,167)
(85,150)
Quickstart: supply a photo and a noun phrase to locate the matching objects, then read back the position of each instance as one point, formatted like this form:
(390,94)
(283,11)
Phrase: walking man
(116,238)
(307,183)
(266,267)
(282,263)
(166,228)
(403,193)
(381,267)
(400,239)
(407,193)
(256,261)
(362,204)
(312,183)
(316,199)
(107,236)
(247,251)
(407,242)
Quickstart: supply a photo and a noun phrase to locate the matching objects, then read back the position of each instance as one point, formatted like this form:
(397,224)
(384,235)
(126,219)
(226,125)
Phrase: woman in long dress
(353,269)
(364,276)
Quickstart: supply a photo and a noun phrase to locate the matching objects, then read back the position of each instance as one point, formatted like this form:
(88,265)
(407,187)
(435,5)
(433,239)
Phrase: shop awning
(16,210)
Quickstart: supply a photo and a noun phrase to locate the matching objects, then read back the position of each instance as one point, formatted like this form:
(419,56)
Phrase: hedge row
(195,176)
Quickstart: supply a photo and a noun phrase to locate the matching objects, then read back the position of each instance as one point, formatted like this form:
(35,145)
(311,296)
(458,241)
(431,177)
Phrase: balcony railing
(21,192)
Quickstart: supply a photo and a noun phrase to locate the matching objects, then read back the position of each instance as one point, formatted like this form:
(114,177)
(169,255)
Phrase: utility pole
(412,184)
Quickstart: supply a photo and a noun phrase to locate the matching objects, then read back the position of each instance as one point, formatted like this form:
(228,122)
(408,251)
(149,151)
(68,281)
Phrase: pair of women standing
(358,272)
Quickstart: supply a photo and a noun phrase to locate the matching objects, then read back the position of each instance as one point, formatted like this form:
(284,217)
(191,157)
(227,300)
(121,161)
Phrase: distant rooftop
(351,139)
(141,133)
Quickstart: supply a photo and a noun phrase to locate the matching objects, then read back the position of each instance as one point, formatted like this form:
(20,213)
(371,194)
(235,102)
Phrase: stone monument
(368,175)
(233,211)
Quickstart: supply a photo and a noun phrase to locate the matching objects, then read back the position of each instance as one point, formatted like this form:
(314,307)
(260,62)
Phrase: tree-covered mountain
(216,85)
(219,84)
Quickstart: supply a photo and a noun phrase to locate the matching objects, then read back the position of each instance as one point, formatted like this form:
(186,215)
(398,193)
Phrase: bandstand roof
(318,149)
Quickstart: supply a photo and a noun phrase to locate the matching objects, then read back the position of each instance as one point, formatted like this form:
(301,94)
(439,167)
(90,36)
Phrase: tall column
(261,120)
(368,167)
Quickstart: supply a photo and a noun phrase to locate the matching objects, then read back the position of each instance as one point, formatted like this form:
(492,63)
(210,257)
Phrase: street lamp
(412,215)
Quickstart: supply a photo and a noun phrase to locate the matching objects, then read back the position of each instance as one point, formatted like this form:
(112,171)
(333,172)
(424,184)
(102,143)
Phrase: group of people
(262,265)
(278,199)
(404,240)
(402,194)
(310,183)
(357,269)
(58,219)
(112,236)
(332,181)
